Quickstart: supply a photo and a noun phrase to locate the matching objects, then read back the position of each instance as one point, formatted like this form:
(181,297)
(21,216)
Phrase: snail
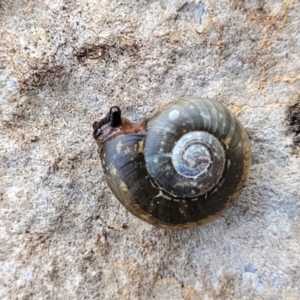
(179,169)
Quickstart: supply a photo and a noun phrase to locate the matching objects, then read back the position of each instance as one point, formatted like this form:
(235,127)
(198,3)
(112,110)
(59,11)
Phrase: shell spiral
(182,167)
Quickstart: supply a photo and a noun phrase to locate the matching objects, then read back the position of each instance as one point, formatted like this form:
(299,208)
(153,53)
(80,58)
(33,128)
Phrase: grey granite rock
(63,235)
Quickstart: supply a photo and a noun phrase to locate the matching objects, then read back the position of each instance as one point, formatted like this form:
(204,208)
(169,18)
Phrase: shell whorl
(186,149)
(186,167)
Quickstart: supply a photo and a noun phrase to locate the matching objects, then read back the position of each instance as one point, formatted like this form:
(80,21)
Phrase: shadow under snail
(179,169)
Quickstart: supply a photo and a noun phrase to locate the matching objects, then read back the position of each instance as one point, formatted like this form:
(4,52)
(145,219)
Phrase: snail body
(179,169)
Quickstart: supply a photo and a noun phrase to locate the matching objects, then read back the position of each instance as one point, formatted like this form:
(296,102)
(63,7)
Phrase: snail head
(108,126)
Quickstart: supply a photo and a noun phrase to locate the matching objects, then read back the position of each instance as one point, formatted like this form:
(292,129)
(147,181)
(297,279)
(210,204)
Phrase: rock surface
(63,235)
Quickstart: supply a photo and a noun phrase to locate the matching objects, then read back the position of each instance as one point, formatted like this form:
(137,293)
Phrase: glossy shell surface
(185,169)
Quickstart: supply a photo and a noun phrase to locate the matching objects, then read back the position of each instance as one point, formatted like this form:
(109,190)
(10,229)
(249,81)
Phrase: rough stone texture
(63,235)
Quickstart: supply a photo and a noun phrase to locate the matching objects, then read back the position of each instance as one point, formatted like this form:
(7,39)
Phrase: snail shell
(179,169)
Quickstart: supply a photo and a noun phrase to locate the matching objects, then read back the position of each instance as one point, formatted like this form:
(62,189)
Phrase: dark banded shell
(186,169)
